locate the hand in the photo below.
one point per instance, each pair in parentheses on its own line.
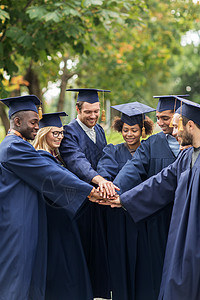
(107,188)
(113,203)
(94,195)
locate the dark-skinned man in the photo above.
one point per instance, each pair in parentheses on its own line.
(26,180)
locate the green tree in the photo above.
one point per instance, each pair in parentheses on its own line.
(32,32)
(130,47)
(186,73)
(138,62)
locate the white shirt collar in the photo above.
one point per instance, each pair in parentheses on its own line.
(89,131)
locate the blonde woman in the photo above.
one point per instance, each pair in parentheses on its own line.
(67,273)
(50,137)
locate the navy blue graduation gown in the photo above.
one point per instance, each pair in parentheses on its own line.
(26,179)
(81,156)
(113,159)
(151,157)
(121,230)
(181,271)
(79,152)
(67,272)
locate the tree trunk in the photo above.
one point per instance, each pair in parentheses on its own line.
(34,84)
(61,100)
(4,117)
(64,79)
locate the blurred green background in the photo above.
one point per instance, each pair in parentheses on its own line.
(135,48)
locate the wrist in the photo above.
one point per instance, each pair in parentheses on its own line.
(97,179)
(122,204)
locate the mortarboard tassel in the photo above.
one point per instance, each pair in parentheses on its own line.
(143,132)
(103,115)
(180,124)
(171,122)
(143,128)
(40,112)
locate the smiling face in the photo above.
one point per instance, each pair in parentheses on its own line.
(54,137)
(27,123)
(89,113)
(164,119)
(131,135)
(175,127)
(183,137)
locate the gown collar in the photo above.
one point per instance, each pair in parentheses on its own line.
(15,132)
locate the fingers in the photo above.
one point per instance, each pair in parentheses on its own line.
(116,188)
(109,203)
(104,203)
(115,205)
(107,189)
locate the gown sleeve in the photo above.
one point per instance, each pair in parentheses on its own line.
(135,170)
(56,183)
(108,166)
(151,195)
(75,158)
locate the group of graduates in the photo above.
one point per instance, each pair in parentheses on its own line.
(80,219)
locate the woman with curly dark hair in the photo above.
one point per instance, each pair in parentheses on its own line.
(125,239)
(133,125)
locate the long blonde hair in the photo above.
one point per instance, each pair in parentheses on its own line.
(40,142)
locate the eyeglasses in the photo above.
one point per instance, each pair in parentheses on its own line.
(57,133)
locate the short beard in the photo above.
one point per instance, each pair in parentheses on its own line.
(187,139)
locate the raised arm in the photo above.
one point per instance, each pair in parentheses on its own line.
(151,195)
(108,167)
(55,183)
(135,170)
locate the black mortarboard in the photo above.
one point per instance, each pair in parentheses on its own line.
(133,113)
(189,109)
(87,95)
(52,119)
(20,103)
(168,102)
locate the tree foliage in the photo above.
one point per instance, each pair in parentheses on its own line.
(131,47)
(37,30)
(32,33)
(140,60)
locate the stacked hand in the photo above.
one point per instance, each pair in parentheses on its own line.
(106,193)
(114,202)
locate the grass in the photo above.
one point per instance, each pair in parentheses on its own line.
(114,138)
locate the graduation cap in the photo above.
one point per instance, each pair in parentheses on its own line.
(188,109)
(20,103)
(87,95)
(52,119)
(90,96)
(168,102)
(133,113)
